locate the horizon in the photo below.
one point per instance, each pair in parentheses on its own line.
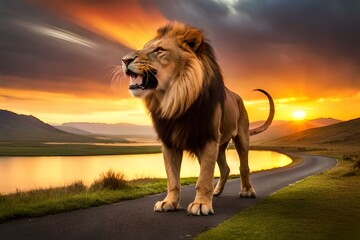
(294,120)
(56,56)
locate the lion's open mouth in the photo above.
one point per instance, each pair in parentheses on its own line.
(146,81)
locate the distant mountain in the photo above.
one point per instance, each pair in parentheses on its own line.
(273,124)
(283,128)
(72,130)
(16,127)
(344,134)
(325,121)
(277,129)
(118,129)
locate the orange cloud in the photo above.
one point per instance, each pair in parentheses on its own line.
(127,22)
(74,86)
(63,107)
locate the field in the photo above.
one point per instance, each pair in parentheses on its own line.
(42,149)
(324,206)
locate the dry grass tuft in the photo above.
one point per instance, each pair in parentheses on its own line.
(110,180)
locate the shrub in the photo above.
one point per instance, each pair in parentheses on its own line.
(110,180)
(356,165)
(76,187)
(354,170)
(352,157)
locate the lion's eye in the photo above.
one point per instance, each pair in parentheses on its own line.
(159,49)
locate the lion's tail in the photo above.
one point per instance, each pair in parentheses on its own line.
(270,117)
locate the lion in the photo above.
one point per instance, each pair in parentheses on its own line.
(177,76)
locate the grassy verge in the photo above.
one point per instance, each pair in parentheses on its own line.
(40,149)
(109,188)
(324,206)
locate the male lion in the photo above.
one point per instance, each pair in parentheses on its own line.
(177,76)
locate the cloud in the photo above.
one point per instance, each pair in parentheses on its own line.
(43,51)
(57,33)
(291,48)
(308,46)
(131,23)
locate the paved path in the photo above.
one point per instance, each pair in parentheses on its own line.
(135,219)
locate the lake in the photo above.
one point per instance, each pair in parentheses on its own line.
(26,173)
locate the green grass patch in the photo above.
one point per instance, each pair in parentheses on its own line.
(42,149)
(324,206)
(109,188)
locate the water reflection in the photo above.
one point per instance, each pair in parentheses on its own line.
(34,172)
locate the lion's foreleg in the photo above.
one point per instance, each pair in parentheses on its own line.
(172,160)
(202,204)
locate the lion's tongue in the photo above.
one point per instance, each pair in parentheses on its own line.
(135,81)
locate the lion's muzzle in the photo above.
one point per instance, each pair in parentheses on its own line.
(142,77)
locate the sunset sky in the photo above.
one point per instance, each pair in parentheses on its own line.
(56,56)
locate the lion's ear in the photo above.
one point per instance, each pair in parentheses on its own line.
(193,38)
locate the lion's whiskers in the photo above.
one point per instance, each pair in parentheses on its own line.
(116,75)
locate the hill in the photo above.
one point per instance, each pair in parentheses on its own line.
(283,128)
(277,129)
(336,135)
(22,128)
(117,129)
(72,130)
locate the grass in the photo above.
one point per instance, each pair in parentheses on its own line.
(41,149)
(109,188)
(324,206)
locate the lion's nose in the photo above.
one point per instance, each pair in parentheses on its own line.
(128,60)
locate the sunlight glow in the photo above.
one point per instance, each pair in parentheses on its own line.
(58,108)
(55,107)
(298,115)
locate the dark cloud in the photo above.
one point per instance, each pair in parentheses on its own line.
(325,27)
(42,47)
(270,41)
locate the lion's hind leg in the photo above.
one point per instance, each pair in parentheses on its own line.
(224,170)
(241,142)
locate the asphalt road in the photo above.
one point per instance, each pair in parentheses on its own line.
(135,219)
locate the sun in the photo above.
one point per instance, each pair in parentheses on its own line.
(298,115)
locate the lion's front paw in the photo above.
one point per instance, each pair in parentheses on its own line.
(166,206)
(200,209)
(248,193)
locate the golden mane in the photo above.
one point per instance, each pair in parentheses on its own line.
(186,88)
(183,91)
